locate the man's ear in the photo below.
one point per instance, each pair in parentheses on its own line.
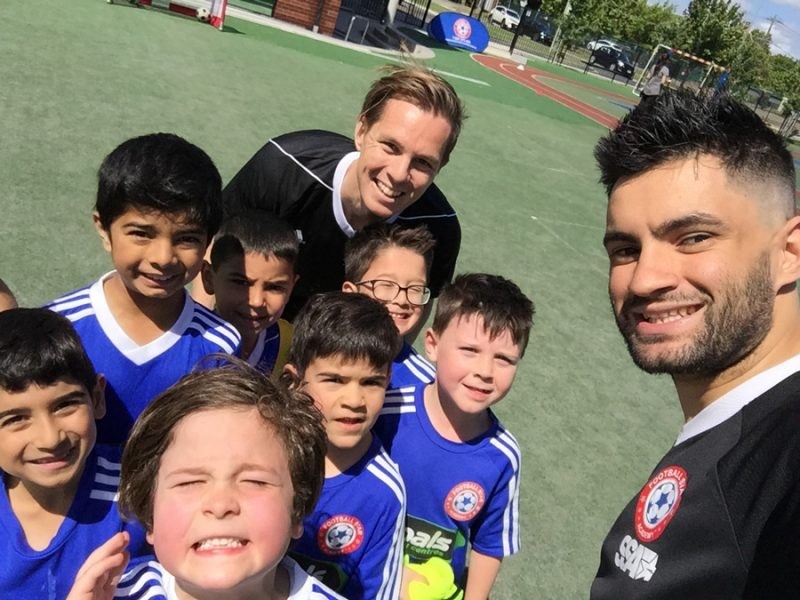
(105,236)
(431,344)
(789,265)
(207,277)
(99,397)
(349,286)
(360,132)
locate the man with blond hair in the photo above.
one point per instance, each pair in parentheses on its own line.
(328,186)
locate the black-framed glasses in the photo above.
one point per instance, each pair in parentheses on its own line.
(386,290)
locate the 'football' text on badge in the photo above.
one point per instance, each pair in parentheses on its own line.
(658,502)
(464,501)
(341,534)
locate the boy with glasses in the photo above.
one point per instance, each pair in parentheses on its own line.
(391,264)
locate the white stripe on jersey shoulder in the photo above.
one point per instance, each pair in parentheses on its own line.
(399,400)
(215,329)
(108,464)
(507,444)
(132,583)
(420,368)
(299,164)
(75,306)
(387,471)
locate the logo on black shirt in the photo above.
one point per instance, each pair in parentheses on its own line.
(658,502)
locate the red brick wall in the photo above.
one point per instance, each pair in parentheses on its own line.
(304,13)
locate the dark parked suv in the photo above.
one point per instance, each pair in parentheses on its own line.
(539,29)
(613,60)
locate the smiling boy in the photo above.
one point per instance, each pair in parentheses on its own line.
(460,465)
(390,263)
(220,509)
(58,489)
(158,204)
(341,354)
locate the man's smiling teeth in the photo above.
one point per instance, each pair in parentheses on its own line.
(213,543)
(672,315)
(387,191)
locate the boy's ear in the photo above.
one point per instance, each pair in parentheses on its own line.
(431,344)
(99,397)
(350,287)
(207,277)
(104,235)
(149,537)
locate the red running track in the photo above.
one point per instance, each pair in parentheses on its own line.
(528,77)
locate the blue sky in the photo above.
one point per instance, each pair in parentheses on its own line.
(785,35)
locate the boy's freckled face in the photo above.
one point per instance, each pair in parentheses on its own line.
(155,254)
(350,395)
(473,371)
(403,267)
(250,291)
(222,508)
(47,432)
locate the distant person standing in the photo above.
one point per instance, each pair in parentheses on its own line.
(722,82)
(659,76)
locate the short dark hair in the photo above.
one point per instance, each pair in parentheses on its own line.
(363,248)
(497,300)
(235,385)
(352,326)
(421,87)
(39,346)
(255,231)
(680,125)
(160,172)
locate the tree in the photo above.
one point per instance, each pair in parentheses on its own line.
(784,78)
(711,28)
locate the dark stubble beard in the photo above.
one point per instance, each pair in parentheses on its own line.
(734,325)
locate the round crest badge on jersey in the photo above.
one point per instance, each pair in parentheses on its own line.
(341,534)
(658,502)
(462,29)
(464,501)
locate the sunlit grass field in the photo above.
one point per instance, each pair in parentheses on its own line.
(79,77)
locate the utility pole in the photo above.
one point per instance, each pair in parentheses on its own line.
(772,20)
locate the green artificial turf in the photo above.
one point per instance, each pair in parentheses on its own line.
(79,77)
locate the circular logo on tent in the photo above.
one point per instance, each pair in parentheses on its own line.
(658,502)
(341,534)
(462,29)
(465,501)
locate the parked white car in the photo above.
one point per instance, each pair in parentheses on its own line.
(505,17)
(595,44)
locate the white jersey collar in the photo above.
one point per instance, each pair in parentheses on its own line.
(338,180)
(729,404)
(133,351)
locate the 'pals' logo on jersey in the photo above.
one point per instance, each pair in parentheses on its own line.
(425,540)
(464,501)
(462,29)
(658,502)
(341,534)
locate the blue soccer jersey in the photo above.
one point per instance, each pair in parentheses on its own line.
(92,519)
(410,370)
(272,348)
(353,541)
(146,579)
(136,374)
(458,493)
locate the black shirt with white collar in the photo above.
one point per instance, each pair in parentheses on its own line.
(719,517)
(298,176)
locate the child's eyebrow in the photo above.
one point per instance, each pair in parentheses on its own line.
(25,409)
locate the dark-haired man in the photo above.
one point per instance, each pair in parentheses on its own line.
(704,251)
(328,186)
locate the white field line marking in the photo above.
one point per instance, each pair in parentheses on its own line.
(591,266)
(448,73)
